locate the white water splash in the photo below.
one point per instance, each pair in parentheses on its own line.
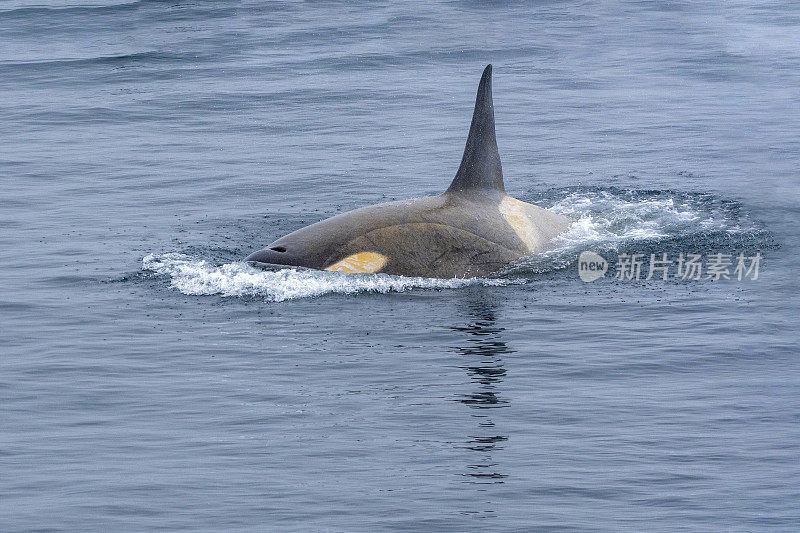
(609,218)
(197,277)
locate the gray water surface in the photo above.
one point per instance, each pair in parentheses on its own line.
(150,380)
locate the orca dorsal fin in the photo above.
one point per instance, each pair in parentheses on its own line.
(480,165)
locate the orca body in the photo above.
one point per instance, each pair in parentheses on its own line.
(472,229)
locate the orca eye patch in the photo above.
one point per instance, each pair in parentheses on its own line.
(360,263)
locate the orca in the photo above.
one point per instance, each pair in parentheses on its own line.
(473,229)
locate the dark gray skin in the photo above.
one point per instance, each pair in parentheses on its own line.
(472,229)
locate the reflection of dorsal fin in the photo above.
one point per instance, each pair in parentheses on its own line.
(480,166)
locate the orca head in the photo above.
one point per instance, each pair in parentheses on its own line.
(304,248)
(274,258)
(322,246)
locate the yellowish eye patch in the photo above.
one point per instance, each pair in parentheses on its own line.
(360,263)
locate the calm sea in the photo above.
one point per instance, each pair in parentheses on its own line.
(150,380)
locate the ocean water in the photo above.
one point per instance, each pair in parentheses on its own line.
(151,380)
